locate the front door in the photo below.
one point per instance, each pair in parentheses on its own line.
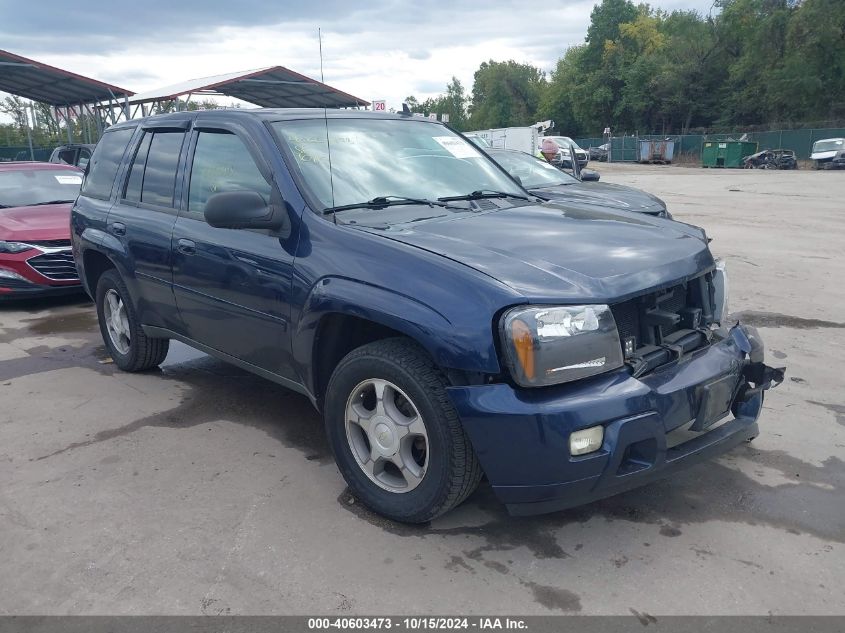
(232,286)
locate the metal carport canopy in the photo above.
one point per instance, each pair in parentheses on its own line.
(36,81)
(272,87)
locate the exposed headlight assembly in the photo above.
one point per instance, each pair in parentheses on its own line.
(14,247)
(548,345)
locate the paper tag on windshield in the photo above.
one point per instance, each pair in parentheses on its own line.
(457,147)
(69,180)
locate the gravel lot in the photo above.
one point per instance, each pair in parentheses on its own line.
(201,489)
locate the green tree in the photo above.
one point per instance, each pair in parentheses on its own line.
(505,94)
(605,19)
(452,103)
(558,102)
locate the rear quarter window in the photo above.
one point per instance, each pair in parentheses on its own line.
(105,162)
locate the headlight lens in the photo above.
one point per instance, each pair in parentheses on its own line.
(720,287)
(13,247)
(547,345)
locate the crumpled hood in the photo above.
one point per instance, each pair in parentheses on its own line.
(606,195)
(43,222)
(554,252)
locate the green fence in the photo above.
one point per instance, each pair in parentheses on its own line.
(799,141)
(21,152)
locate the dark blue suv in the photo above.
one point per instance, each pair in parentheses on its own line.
(447,323)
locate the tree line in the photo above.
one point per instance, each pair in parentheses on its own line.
(747,63)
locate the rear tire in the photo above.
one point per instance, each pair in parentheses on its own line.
(129,347)
(439,469)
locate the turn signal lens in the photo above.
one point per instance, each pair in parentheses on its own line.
(586,440)
(523,343)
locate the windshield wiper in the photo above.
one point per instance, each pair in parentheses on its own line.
(379,202)
(38,204)
(484,193)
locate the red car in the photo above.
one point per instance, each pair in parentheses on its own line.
(35,254)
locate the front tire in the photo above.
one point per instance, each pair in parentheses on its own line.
(129,347)
(395,435)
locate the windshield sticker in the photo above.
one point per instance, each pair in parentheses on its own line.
(456,147)
(69,180)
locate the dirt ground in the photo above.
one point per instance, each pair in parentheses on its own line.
(201,489)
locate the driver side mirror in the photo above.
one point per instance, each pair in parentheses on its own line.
(588,175)
(245,210)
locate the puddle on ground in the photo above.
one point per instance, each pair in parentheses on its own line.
(838,410)
(775,319)
(63,323)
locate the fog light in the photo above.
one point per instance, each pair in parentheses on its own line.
(586,440)
(5,273)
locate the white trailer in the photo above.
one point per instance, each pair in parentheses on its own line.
(525,139)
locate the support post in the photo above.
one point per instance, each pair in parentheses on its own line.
(29,131)
(67,125)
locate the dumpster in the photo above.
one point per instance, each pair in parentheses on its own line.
(726,153)
(623,149)
(656,151)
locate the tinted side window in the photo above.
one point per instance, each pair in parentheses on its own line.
(160,171)
(136,171)
(67,156)
(222,163)
(84,157)
(104,163)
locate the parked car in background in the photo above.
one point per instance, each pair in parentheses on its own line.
(78,155)
(550,183)
(771,159)
(599,152)
(563,158)
(446,321)
(825,150)
(35,253)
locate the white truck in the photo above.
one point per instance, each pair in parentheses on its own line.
(525,139)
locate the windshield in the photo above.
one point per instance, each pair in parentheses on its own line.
(829,145)
(25,187)
(372,158)
(532,172)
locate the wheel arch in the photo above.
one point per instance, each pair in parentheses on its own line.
(94,264)
(340,315)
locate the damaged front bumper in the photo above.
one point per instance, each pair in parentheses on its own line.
(691,409)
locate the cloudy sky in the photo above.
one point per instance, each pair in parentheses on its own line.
(373,49)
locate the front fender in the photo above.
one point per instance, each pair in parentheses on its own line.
(448,344)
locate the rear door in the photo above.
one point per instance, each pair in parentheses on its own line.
(232,286)
(142,220)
